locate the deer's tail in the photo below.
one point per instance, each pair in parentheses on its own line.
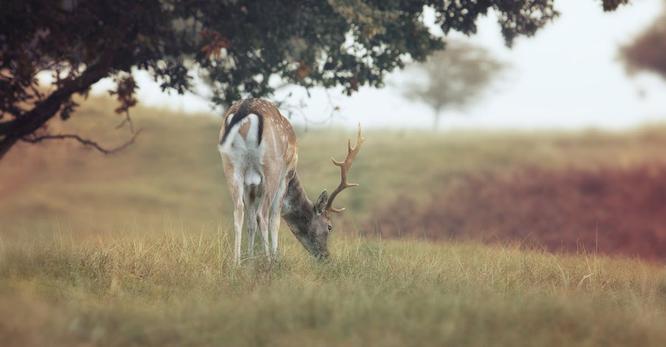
(232,127)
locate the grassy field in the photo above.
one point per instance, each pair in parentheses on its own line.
(134,249)
(175,287)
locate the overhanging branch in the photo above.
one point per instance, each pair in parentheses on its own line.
(30,121)
(83,141)
(5,127)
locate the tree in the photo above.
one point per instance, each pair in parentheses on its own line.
(454,77)
(648,51)
(237,46)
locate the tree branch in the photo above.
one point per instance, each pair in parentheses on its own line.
(83,141)
(14,111)
(5,126)
(32,120)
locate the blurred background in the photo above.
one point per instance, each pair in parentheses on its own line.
(555,143)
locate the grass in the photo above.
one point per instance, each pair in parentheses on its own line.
(134,249)
(176,287)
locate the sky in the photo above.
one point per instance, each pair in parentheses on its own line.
(568,76)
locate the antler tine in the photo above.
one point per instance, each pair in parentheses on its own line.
(345,166)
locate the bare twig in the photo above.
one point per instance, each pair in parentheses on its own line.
(83,141)
(127,120)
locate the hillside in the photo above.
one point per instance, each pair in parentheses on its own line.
(562,191)
(134,248)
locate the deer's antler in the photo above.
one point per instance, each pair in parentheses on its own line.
(344,168)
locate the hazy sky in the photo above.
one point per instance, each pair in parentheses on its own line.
(567,76)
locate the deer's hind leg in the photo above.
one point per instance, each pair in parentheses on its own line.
(252,200)
(236,189)
(251,221)
(274,217)
(239,212)
(273,187)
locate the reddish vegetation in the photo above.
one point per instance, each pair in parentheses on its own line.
(613,211)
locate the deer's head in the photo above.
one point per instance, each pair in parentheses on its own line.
(320,225)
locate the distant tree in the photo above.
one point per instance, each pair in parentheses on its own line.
(238,46)
(648,51)
(453,78)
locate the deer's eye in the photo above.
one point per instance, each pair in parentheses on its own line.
(330,227)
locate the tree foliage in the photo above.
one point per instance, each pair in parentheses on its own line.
(237,46)
(648,51)
(454,77)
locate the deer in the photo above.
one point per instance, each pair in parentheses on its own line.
(259,154)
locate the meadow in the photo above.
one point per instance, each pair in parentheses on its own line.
(134,249)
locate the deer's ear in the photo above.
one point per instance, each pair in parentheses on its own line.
(320,205)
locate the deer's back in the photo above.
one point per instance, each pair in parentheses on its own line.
(264,138)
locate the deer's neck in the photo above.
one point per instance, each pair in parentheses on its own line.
(297,209)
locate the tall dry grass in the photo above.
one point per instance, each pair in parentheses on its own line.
(174,287)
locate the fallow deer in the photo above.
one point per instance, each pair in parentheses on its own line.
(259,154)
